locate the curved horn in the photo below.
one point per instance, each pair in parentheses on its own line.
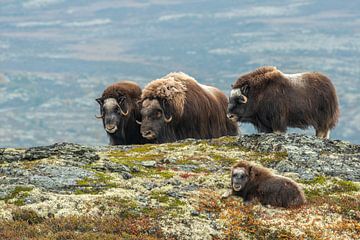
(122,112)
(100,116)
(168,120)
(138,122)
(244,99)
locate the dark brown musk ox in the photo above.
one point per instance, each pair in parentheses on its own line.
(176,107)
(119,111)
(273,101)
(252,182)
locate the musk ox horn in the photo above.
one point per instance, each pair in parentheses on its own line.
(138,122)
(168,120)
(122,112)
(244,99)
(99,117)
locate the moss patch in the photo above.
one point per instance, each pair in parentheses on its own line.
(266,159)
(170,202)
(94,185)
(18,195)
(324,186)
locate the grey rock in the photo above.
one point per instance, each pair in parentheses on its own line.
(148,163)
(126,175)
(308,156)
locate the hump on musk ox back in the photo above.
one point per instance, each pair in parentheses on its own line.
(198,111)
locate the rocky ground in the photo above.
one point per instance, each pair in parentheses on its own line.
(173,191)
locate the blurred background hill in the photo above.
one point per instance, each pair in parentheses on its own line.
(57,56)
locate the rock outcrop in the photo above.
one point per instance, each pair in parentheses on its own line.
(173,191)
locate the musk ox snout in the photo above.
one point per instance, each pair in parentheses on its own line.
(110,128)
(149,134)
(232,117)
(238,179)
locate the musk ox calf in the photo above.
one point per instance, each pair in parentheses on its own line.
(176,107)
(273,101)
(119,112)
(253,182)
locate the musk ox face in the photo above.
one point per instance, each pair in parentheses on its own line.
(113,112)
(238,103)
(154,118)
(239,178)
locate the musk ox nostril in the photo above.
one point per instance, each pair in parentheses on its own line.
(149,135)
(231,116)
(110,128)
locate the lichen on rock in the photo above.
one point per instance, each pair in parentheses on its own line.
(174,190)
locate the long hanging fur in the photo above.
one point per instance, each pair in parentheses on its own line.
(198,111)
(279,100)
(129,130)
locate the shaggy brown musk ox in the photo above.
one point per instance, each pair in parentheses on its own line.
(273,101)
(176,107)
(253,182)
(119,112)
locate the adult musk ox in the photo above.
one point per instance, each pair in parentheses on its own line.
(273,101)
(176,107)
(119,112)
(253,182)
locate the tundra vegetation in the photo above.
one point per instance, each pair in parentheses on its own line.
(173,191)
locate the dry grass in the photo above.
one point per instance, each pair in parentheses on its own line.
(28,225)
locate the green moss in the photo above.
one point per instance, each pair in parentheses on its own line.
(323,186)
(154,172)
(281,155)
(141,149)
(175,146)
(134,156)
(186,161)
(18,195)
(317,180)
(228,161)
(94,185)
(346,186)
(166,174)
(170,202)
(267,158)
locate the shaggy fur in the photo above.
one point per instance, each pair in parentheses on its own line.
(197,111)
(276,101)
(126,94)
(267,188)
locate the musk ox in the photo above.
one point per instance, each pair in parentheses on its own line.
(273,101)
(119,112)
(176,107)
(253,182)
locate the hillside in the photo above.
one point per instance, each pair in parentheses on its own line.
(173,191)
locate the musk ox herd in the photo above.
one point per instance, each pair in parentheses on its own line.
(176,107)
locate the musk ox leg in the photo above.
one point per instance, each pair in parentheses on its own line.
(323,134)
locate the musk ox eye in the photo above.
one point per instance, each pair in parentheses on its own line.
(158,114)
